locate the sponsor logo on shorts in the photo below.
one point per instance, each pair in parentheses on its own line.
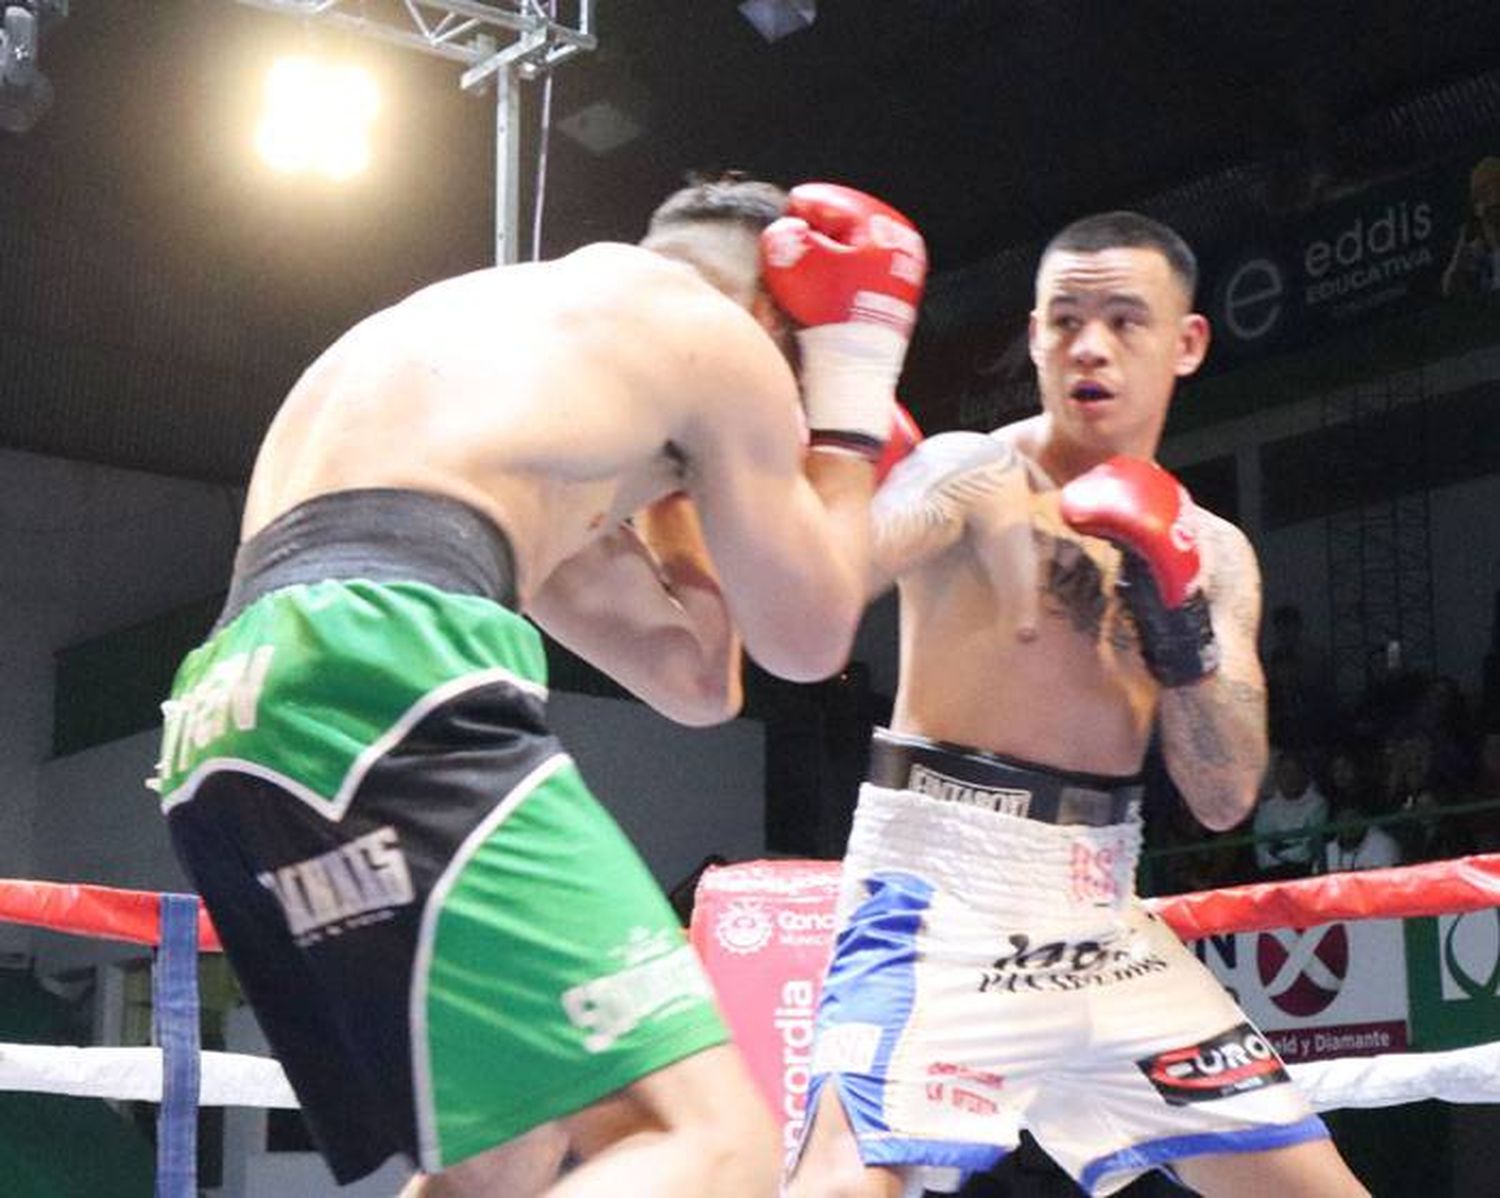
(358,883)
(661,974)
(966,1073)
(1061,966)
(228,698)
(1100,875)
(1233,1062)
(962,1088)
(847,1048)
(1006,800)
(744,927)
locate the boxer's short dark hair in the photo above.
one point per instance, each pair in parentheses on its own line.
(1129,230)
(730,198)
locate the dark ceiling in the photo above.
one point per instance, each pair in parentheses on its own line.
(159,290)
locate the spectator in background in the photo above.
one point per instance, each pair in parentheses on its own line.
(1484,826)
(1412,786)
(1353,798)
(1391,695)
(1442,713)
(1356,844)
(1474,267)
(1293,804)
(1296,709)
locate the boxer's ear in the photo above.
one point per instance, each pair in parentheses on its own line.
(776,323)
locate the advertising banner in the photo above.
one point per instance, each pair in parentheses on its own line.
(1379,252)
(1455,979)
(764,930)
(1336,990)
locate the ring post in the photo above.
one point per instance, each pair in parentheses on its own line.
(174,984)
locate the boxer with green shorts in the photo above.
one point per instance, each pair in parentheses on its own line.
(454,952)
(359,777)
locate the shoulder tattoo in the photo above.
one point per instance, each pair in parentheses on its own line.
(922,507)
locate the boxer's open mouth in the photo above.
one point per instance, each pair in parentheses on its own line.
(1089,392)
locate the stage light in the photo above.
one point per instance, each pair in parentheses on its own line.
(25,93)
(774,19)
(317,118)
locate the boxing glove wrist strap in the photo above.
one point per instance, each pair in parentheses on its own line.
(849,374)
(1177,643)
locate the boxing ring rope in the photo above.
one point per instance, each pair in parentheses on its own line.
(181,1077)
(1400,892)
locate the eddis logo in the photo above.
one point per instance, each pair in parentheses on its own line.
(1254,299)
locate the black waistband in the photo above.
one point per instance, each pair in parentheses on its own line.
(977,779)
(380,535)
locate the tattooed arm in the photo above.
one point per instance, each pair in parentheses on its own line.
(1214,730)
(952,486)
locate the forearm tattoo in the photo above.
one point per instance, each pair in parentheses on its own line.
(1216,728)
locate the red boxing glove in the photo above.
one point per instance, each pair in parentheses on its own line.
(1146,512)
(850,270)
(905,436)
(839,255)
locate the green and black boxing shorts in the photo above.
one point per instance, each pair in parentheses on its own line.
(445,937)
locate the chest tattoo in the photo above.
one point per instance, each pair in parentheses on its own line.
(1074,588)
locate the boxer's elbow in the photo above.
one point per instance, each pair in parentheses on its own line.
(697,690)
(704,705)
(1225,807)
(810,648)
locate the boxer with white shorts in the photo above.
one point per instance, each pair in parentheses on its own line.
(1061,600)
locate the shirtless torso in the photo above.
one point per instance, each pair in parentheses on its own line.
(1013,639)
(558,398)
(561,398)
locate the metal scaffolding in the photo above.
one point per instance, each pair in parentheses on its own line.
(1379,552)
(499,43)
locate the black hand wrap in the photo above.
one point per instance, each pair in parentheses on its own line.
(1177,642)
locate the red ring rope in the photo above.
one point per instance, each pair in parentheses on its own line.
(1434,888)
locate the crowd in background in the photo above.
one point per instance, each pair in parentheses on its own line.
(1407,772)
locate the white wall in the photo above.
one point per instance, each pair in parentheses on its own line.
(83,550)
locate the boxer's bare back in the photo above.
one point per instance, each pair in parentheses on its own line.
(557,398)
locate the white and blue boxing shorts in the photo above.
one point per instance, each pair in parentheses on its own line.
(994,970)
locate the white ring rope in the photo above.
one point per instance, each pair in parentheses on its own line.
(229,1078)
(1462,1075)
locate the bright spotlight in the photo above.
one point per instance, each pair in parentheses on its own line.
(317,118)
(25,93)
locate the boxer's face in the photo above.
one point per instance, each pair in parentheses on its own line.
(1110,336)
